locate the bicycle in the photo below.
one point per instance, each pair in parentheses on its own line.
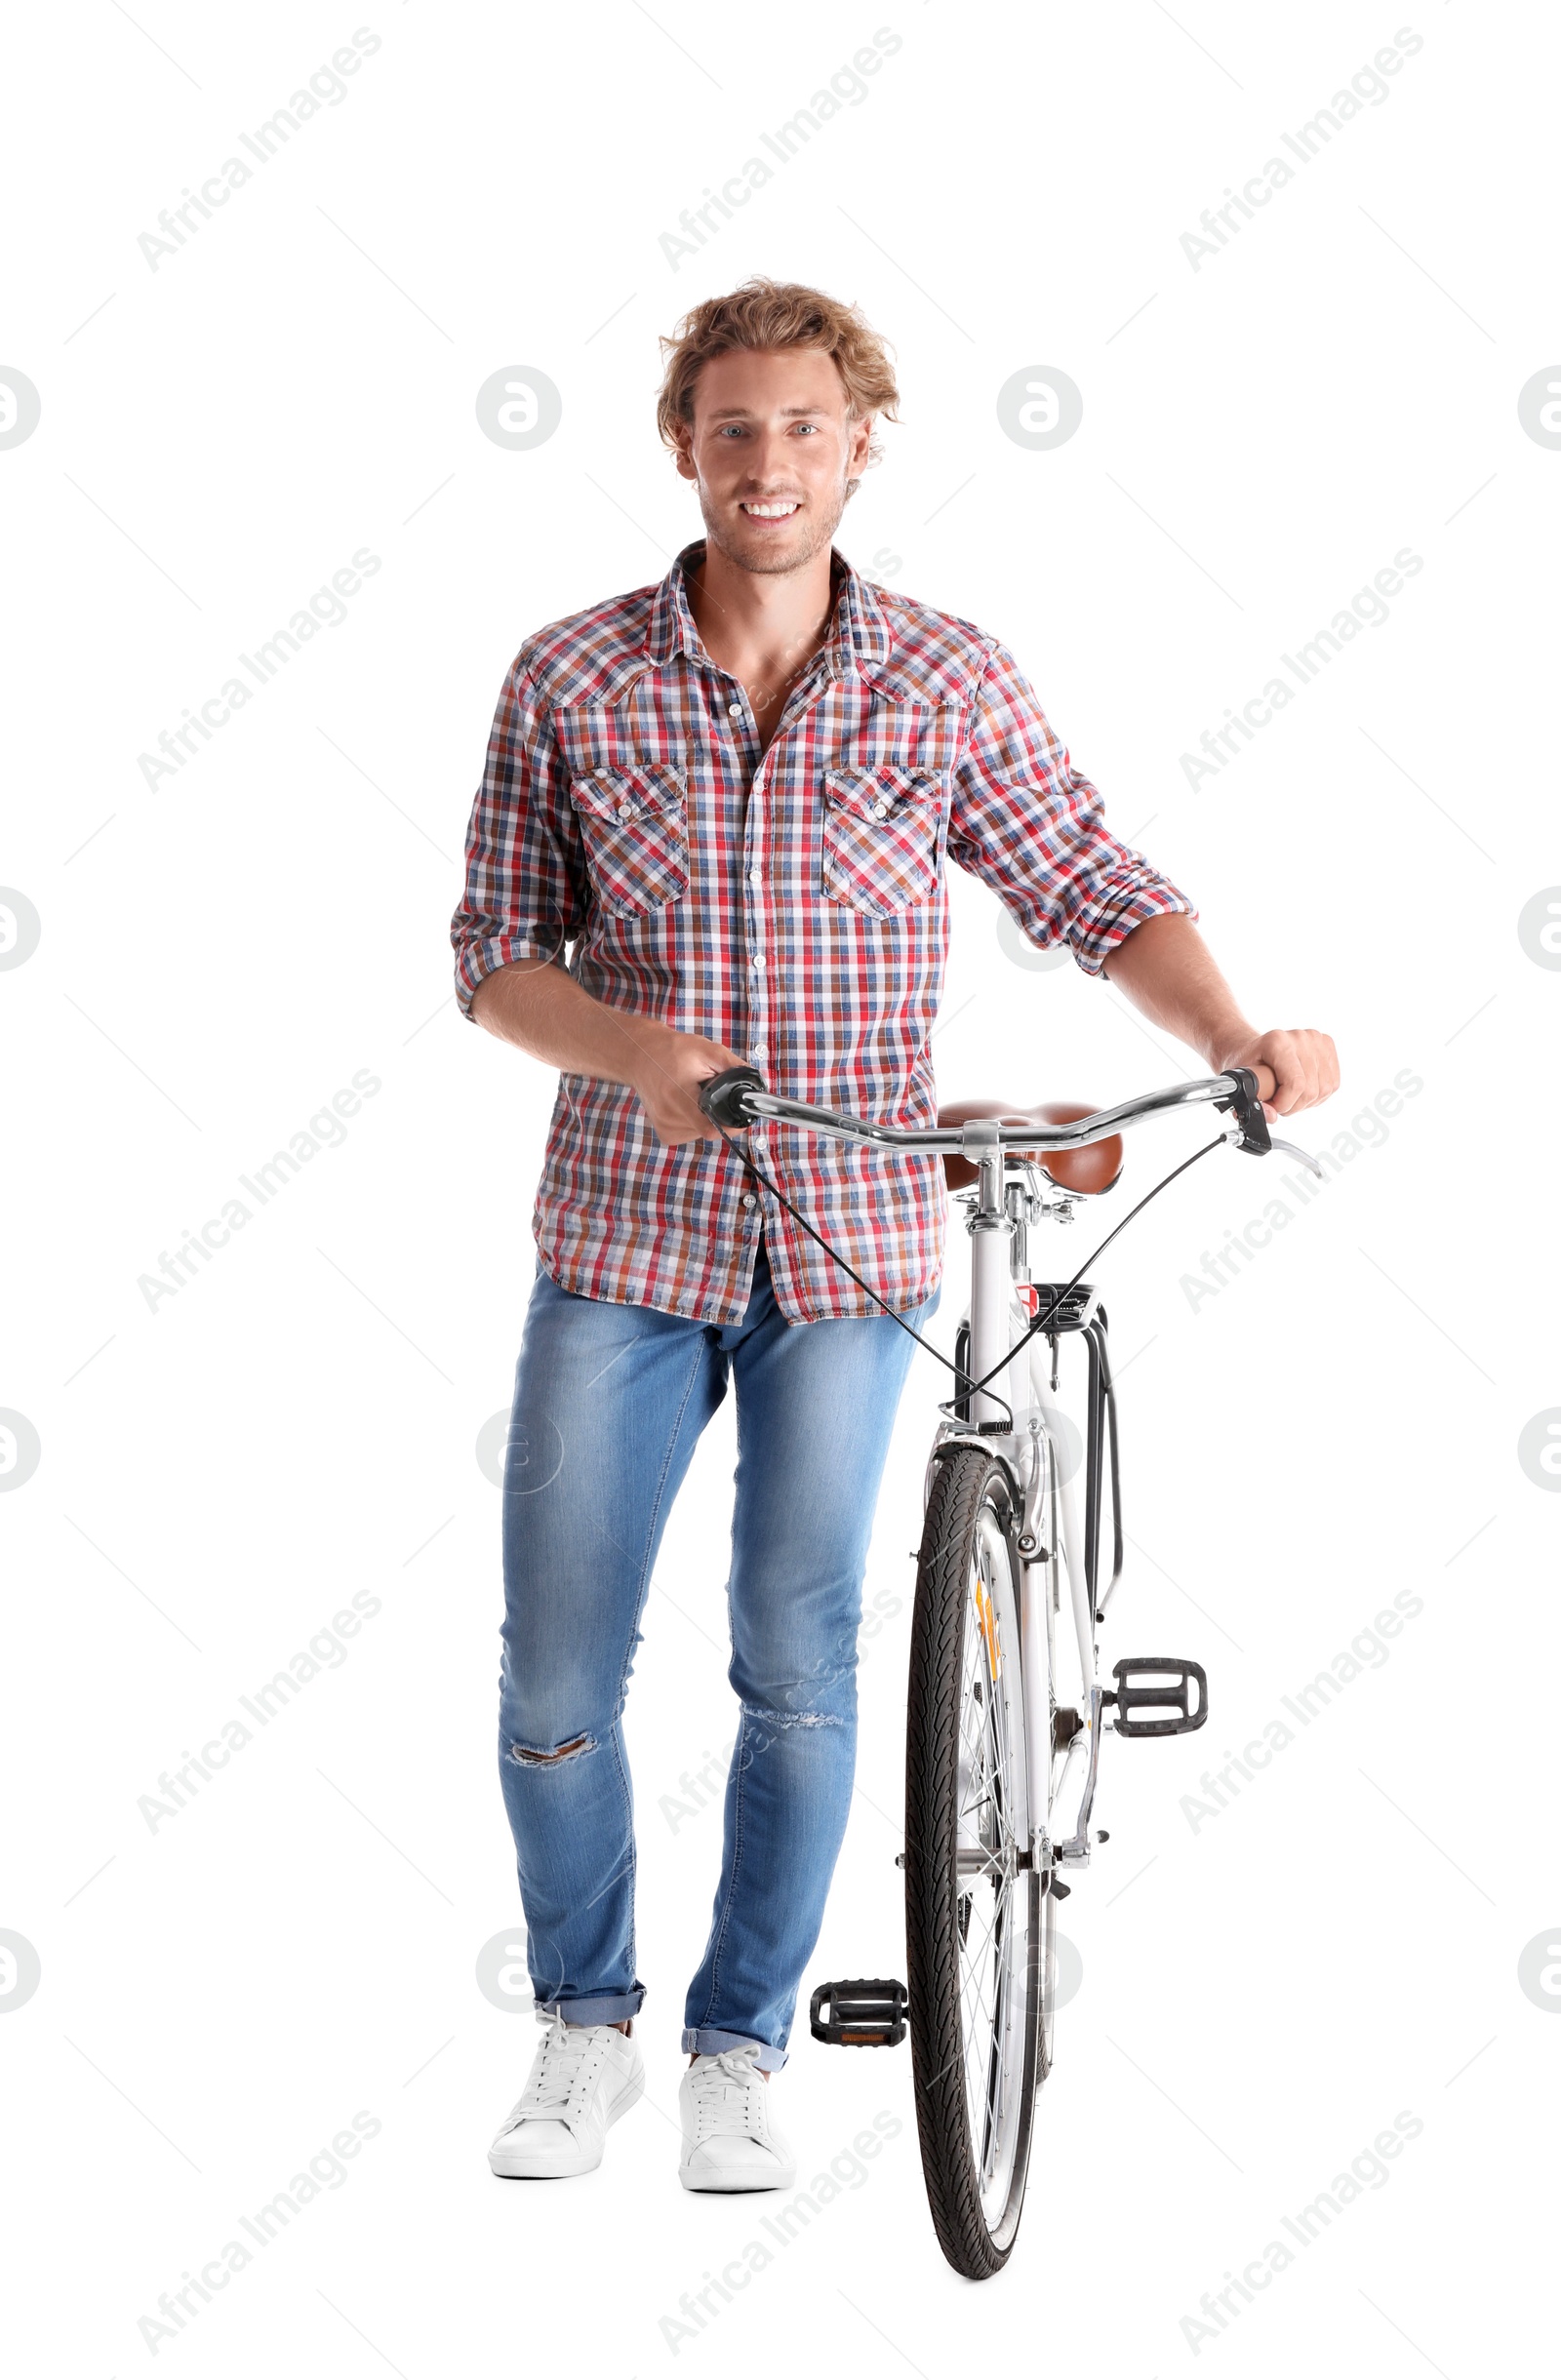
(1001,1757)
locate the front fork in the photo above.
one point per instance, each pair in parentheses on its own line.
(1039,1651)
(1019,1412)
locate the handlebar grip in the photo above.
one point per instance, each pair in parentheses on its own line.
(724,1098)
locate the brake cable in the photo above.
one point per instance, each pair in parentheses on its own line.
(1041,1320)
(967,1386)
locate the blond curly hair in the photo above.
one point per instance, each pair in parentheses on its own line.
(769,314)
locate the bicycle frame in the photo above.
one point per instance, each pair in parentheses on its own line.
(1019,1421)
(1024,1427)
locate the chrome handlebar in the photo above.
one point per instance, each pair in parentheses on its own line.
(737,1097)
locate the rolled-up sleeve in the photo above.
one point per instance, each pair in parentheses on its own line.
(526,884)
(1032,827)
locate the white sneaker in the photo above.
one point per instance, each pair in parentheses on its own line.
(583,2079)
(729,2142)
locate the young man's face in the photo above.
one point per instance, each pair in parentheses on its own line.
(772,450)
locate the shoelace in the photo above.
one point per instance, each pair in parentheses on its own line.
(560,2062)
(711,2083)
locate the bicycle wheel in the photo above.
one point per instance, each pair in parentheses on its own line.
(973,1917)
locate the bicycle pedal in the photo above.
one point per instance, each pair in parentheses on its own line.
(1145,1685)
(863,2015)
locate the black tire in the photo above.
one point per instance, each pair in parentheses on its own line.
(976,2235)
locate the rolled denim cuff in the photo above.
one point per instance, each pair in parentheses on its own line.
(606,2009)
(705,2041)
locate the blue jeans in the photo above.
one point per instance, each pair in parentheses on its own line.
(610,1401)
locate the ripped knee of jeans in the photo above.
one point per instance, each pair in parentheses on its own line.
(766,1715)
(532,1756)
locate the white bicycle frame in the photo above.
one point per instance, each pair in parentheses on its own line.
(1019,1421)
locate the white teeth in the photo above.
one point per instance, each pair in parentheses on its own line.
(769,512)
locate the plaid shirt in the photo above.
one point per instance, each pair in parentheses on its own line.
(790,904)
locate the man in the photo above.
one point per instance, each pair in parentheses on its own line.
(730,796)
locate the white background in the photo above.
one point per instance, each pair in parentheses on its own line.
(1262,1992)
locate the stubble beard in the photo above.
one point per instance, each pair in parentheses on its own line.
(818,533)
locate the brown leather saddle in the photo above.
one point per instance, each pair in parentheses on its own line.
(1090,1170)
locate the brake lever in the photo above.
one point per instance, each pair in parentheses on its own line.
(1252,1134)
(1290,1150)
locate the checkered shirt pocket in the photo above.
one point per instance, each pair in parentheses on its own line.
(881,832)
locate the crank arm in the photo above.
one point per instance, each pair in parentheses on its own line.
(1075,1852)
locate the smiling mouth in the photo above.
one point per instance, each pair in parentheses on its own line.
(776,511)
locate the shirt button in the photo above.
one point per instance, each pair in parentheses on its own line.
(758,958)
(756,877)
(749,1199)
(734,710)
(758,1053)
(880,810)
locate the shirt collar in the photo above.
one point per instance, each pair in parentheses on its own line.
(860,635)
